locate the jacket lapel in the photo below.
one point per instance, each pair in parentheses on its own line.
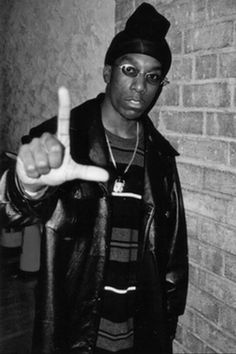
(157,152)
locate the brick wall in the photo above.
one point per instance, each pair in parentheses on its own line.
(197,113)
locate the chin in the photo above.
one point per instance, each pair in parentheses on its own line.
(132,114)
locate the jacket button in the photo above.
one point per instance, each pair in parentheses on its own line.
(167,214)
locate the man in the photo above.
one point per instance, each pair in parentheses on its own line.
(114,265)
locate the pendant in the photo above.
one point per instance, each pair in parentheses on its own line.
(119,185)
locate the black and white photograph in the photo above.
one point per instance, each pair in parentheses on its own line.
(118,177)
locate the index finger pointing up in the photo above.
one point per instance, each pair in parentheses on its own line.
(63,117)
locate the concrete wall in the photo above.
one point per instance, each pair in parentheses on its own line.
(197,113)
(47,44)
(3,11)
(43,44)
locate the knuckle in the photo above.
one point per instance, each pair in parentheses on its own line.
(46,135)
(34,141)
(23,149)
(34,144)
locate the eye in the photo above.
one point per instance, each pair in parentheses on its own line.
(129,70)
(153,78)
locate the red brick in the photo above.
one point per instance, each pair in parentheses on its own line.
(230,268)
(170,95)
(193,276)
(179,334)
(214,336)
(214,36)
(227,65)
(179,14)
(211,126)
(181,69)
(235,96)
(219,287)
(232,157)
(206,66)
(228,319)
(221,124)
(214,95)
(204,149)
(199,11)
(220,8)
(182,122)
(219,235)
(192,343)
(178,348)
(155,116)
(204,304)
(220,181)
(188,319)
(209,350)
(191,176)
(206,205)
(231,220)
(174,38)
(209,257)
(192,225)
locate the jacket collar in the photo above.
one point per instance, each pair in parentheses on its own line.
(89,145)
(157,140)
(99,153)
(157,153)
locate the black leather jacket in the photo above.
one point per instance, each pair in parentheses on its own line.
(76,216)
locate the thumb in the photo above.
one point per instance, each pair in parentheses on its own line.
(86,172)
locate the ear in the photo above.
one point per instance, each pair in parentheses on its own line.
(107,73)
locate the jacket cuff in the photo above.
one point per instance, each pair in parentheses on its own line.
(28,194)
(18,197)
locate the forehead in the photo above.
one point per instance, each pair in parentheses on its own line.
(141,61)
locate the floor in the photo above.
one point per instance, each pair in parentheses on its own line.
(16,304)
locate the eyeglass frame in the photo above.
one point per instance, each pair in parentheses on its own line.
(163,82)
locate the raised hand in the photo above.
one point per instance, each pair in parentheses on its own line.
(46,161)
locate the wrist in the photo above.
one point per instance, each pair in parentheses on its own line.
(31,191)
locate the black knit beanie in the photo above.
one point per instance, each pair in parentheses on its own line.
(144,33)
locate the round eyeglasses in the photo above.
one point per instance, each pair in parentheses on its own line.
(152,77)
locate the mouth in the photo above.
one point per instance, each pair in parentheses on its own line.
(136,102)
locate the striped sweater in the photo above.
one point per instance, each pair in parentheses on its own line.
(115,333)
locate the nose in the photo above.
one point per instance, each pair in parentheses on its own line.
(139,83)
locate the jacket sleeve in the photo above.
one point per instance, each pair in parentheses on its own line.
(16,210)
(177,266)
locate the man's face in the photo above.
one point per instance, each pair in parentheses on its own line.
(132,84)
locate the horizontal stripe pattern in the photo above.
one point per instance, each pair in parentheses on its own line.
(119,291)
(108,338)
(115,333)
(133,195)
(119,251)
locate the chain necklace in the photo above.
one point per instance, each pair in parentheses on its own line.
(119,183)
